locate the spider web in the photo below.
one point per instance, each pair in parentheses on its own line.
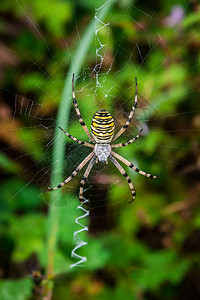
(28,119)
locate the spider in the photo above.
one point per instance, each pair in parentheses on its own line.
(102,129)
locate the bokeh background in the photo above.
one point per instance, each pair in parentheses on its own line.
(146,250)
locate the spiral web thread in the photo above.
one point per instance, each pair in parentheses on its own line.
(79,242)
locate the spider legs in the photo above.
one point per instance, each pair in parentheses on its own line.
(74,173)
(78,112)
(85,176)
(76,140)
(127,143)
(123,172)
(130,165)
(130,115)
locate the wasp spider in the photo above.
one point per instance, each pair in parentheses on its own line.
(102,129)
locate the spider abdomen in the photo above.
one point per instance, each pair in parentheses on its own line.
(102,126)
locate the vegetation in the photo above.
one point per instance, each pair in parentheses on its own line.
(145,250)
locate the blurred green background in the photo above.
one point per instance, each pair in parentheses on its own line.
(146,250)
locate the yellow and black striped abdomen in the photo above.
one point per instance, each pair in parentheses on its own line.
(102,126)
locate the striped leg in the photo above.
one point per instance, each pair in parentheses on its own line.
(82,164)
(127,143)
(85,176)
(123,172)
(130,115)
(78,112)
(129,164)
(76,140)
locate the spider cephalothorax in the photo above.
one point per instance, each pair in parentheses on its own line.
(102,152)
(102,129)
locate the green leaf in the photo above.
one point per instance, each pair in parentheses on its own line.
(16,289)
(8,165)
(32,81)
(158,268)
(17,195)
(28,232)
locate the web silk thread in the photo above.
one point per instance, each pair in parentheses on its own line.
(78,241)
(99,25)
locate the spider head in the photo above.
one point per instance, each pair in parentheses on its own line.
(102,127)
